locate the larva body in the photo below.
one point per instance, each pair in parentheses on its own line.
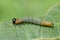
(31,20)
(46,23)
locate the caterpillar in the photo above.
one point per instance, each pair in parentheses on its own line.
(32,21)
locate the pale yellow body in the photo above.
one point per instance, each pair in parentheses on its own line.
(46,23)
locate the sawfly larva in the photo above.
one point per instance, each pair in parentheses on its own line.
(32,21)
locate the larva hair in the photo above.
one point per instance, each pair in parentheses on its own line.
(32,21)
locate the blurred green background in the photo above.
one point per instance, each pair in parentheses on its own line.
(24,8)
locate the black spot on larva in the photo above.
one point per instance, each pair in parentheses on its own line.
(13,20)
(52,23)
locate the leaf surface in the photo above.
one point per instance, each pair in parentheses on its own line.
(29,31)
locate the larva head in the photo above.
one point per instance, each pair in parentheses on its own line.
(16,21)
(13,20)
(46,23)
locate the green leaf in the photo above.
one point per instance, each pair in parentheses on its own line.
(52,15)
(8,31)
